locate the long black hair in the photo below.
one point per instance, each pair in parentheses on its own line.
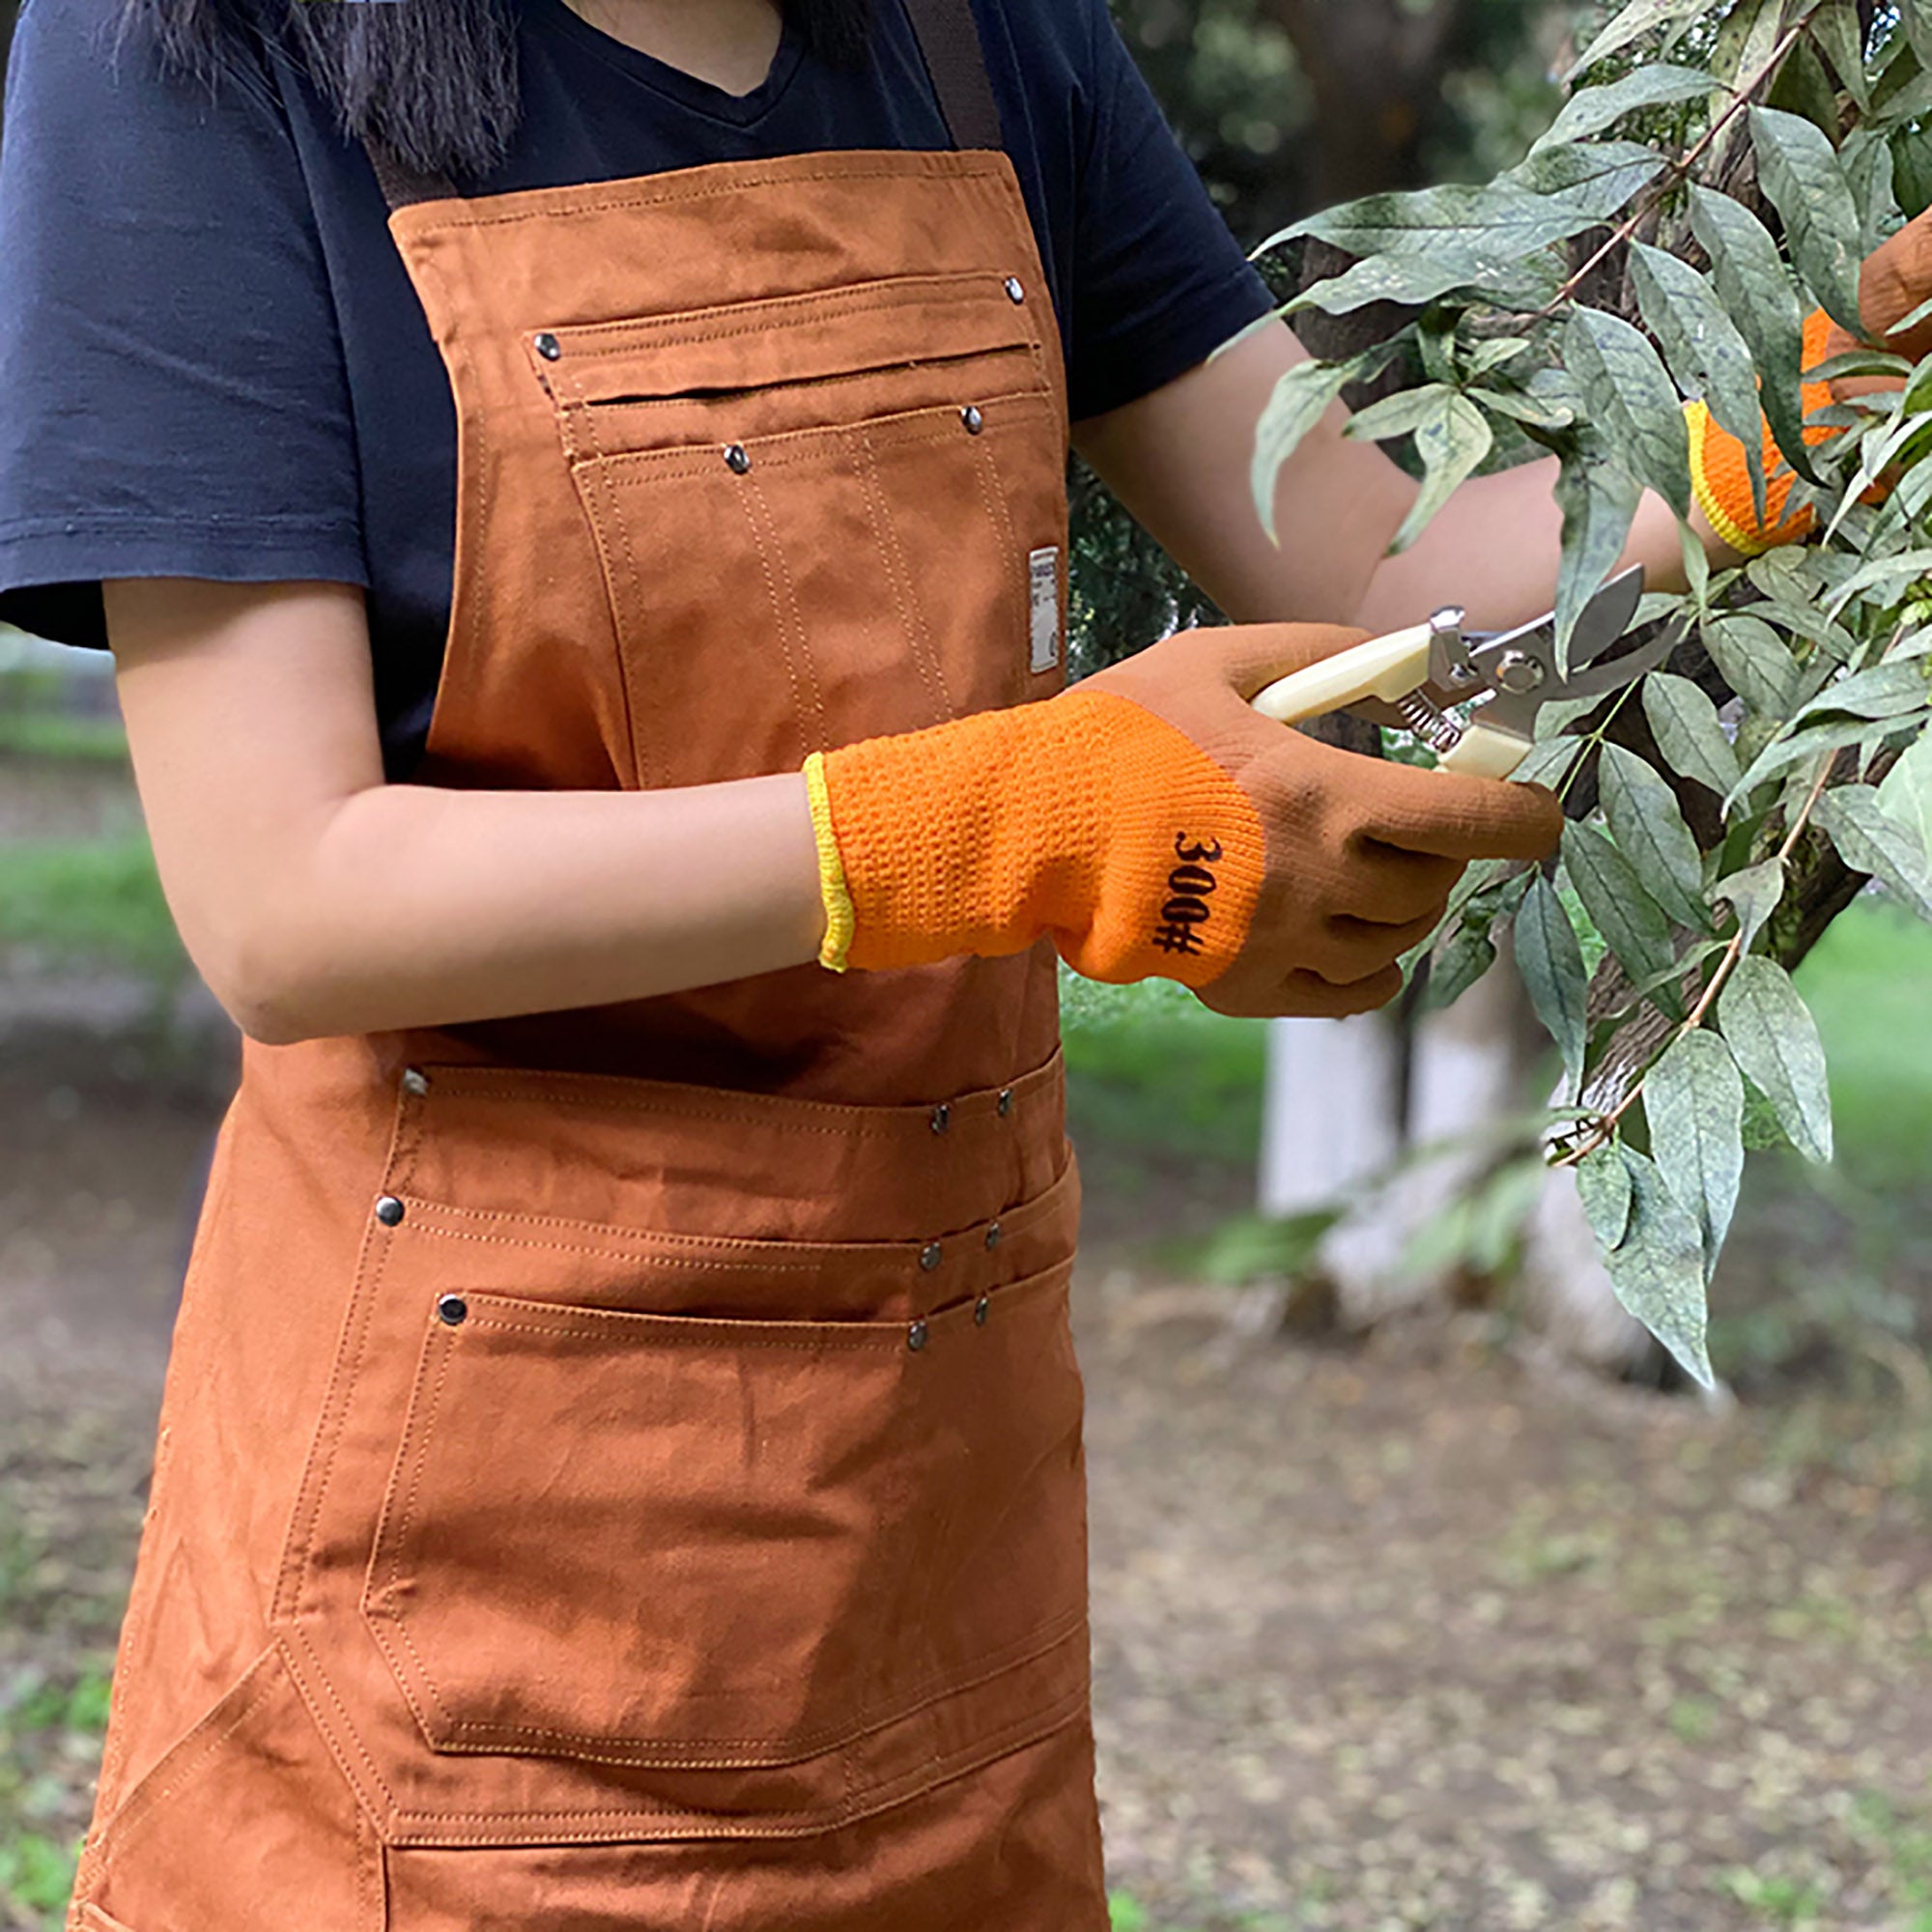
(434,79)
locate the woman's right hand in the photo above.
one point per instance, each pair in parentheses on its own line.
(1155,825)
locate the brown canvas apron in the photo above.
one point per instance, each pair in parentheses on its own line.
(621,1468)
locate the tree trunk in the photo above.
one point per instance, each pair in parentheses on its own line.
(1373,68)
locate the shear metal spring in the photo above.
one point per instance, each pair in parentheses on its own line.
(1435,729)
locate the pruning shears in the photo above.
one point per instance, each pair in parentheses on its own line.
(1505,678)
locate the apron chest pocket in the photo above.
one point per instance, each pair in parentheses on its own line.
(847,508)
(673,1540)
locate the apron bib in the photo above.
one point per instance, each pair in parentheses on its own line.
(621,1467)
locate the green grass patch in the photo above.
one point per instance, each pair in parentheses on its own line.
(54,734)
(97,901)
(1149,1067)
(1869,983)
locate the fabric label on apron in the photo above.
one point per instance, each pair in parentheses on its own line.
(1043,570)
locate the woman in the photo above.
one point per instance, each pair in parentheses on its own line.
(591,649)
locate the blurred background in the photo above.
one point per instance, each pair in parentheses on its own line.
(1408,1612)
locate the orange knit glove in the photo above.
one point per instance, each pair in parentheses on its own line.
(1896,282)
(1157,826)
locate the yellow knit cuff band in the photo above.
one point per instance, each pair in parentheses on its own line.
(1714,502)
(839,920)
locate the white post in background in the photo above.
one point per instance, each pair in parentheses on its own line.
(1332,1117)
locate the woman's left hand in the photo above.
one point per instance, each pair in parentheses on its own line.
(1896,283)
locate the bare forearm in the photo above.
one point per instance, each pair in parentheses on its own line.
(414,906)
(1181,461)
(317,899)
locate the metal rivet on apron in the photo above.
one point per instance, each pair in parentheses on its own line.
(388,1210)
(739,457)
(916,1337)
(1005,1101)
(981,1308)
(452,1310)
(1014,292)
(942,1117)
(930,1255)
(995,1233)
(975,422)
(414,1080)
(549,347)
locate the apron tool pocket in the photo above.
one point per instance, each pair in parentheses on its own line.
(671,1541)
(847,505)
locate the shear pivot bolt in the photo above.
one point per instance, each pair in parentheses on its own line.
(738,458)
(452,1311)
(1519,673)
(388,1210)
(549,347)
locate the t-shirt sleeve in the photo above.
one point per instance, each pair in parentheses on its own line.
(1159,282)
(172,394)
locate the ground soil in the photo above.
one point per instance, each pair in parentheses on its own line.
(1418,1633)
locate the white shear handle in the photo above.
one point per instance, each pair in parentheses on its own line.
(1389,668)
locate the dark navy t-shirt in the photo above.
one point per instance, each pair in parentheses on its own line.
(213,364)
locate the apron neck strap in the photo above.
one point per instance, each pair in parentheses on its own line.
(949,38)
(949,41)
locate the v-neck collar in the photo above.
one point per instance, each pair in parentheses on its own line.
(701,97)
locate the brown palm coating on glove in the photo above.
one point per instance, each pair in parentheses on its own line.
(1361,854)
(1896,282)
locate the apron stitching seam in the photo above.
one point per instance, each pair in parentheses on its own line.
(834,304)
(986,472)
(931,1690)
(799,664)
(772,176)
(147,1795)
(294,1635)
(911,615)
(644,766)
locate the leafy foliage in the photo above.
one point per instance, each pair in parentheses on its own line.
(1721,167)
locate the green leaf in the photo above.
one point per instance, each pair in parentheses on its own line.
(1685,724)
(1756,662)
(1604,1183)
(1400,414)
(1550,960)
(1459,961)
(1808,743)
(1639,19)
(1757,290)
(1883,573)
(1755,892)
(1906,795)
(1649,833)
(1301,400)
(1703,349)
(1452,442)
(1592,109)
(1775,1041)
(1599,501)
(1869,839)
(1658,1269)
(1800,172)
(1695,1101)
(1594,179)
(1538,412)
(1633,402)
(1841,35)
(1633,924)
(1894,689)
